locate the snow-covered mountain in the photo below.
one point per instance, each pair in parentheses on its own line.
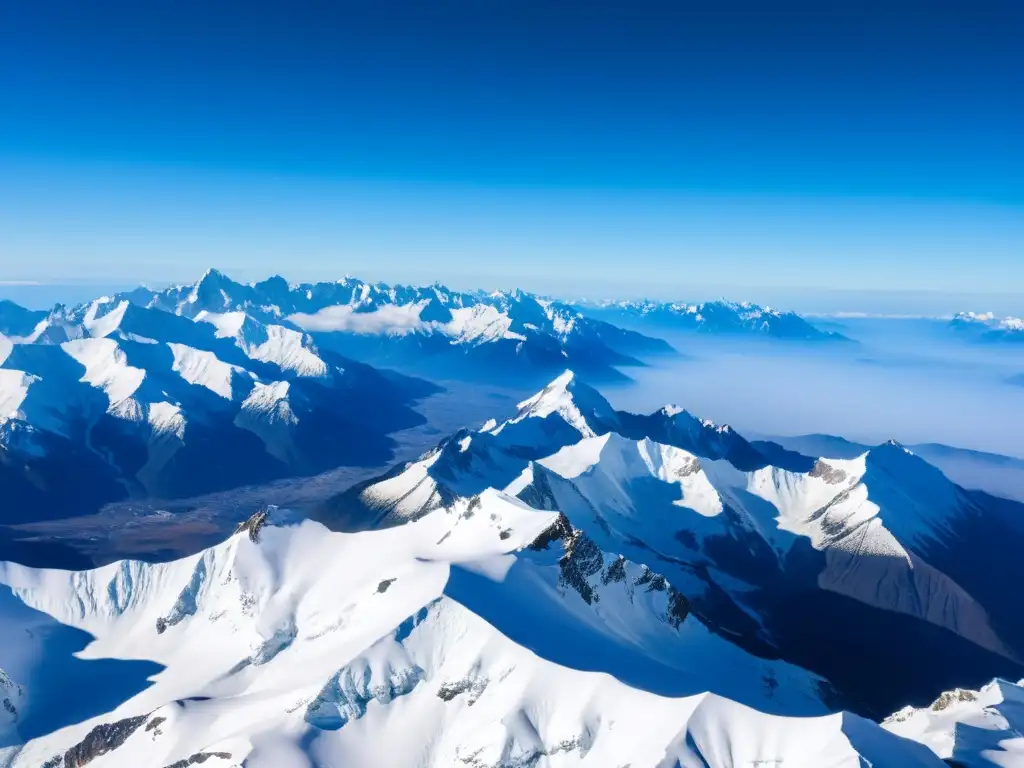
(992,473)
(431,330)
(988,327)
(969,729)
(487,633)
(871,571)
(112,399)
(713,317)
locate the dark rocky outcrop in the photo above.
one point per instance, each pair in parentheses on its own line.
(829,474)
(199,758)
(582,559)
(560,530)
(101,740)
(254,525)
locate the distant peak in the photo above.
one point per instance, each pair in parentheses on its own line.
(214,278)
(273,280)
(212,274)
(892,445)
(894,455)
(563,380)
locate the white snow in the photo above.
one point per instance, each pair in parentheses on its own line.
(203,368)
(106,367)
(285,347)
(99,327)
(556,398)
(6,347)
(14,387)
(480,324)
(368,649)
(167,418)
(976,729)
(267,413)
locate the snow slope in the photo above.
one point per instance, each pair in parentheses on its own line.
(879,543)
(970,729)
(458,639)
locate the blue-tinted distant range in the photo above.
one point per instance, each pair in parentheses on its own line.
(215,384)
(579,385)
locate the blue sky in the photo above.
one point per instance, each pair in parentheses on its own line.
(739,148)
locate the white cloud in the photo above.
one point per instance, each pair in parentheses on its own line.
(389,318)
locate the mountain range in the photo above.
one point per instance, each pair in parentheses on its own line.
(992,473)
(968,728)
(988,327)
(428,329)
(571,586)
(759,538)
(217,384)
(712,317)
(114,399)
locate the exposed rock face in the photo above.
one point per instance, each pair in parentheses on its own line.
(949,697)
(254,524)
(474,686)
(560,530)
(582,559)
(830,475)
(199,758)
(101,740)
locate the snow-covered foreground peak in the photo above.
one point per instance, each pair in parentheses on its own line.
(487,634)
(972,729)
(760,540)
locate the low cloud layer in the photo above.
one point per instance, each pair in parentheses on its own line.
(389,319)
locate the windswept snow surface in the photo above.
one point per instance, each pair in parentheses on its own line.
(881,545)
(445,641)
(971,729)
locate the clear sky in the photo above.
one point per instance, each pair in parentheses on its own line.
(667,149)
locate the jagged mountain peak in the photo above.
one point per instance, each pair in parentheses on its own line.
(447,639)
(580,405)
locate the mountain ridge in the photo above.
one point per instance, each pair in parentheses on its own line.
(834,529)
(714,317)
